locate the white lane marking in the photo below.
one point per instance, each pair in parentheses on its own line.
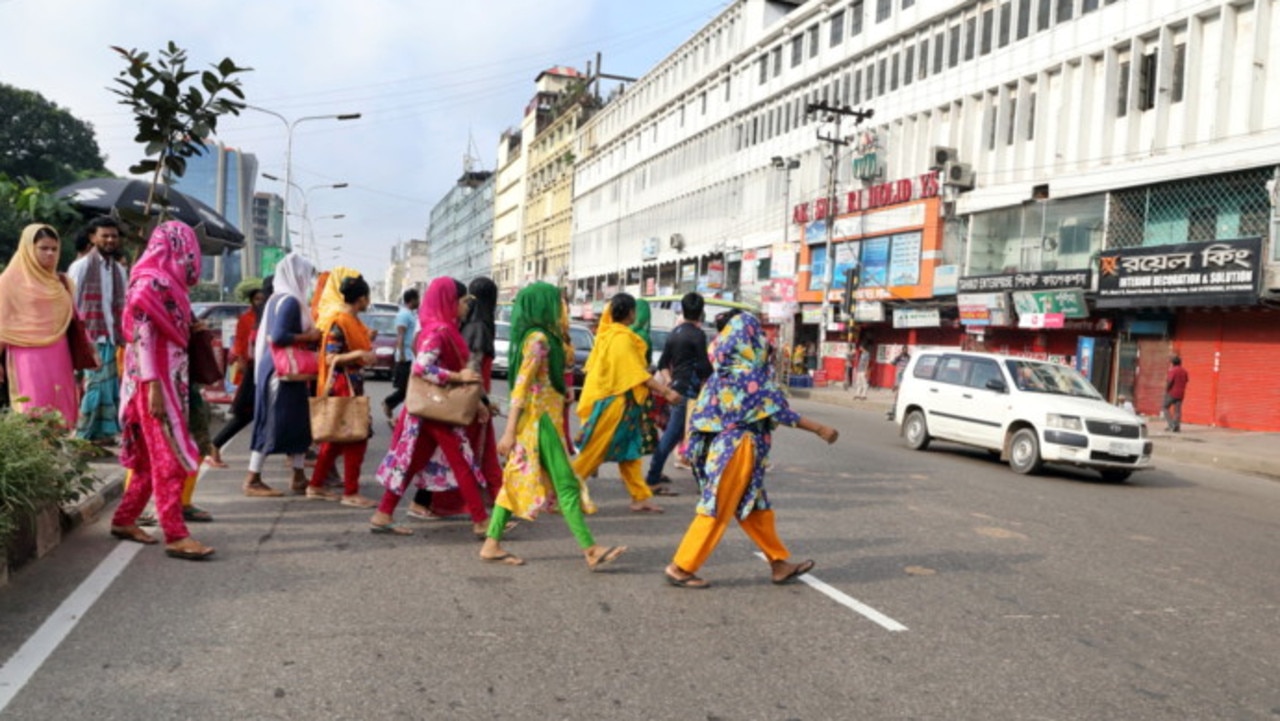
(848,601)
(19,669)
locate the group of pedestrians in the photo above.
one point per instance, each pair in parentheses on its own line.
(140,394)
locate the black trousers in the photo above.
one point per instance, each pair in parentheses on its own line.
(399,384)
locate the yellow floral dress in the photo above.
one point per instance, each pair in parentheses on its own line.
(527,489)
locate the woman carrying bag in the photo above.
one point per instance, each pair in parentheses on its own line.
(346,349)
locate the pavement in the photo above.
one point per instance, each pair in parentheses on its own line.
(1241,451)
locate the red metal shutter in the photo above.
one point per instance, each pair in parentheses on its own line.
(1196,340)
(1153,367)
(1248,382)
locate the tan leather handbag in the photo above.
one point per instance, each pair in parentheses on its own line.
(339,419)
(455,404)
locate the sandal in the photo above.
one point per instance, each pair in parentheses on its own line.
(188,550)
(664,489)
(196,514)
(318,493)
(505,559)
(358,501)
(609,556)
(133,533)
(258,489)
(691,581)
(390,529)
(800,569)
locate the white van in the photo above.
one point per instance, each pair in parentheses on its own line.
(1030,412)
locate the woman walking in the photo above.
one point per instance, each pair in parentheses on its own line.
(442,357)
(281,413)
(615,424)
(731,433)
(345,350)
(156,442)
(479,330)
(242,360)
(538,467)
(36,307)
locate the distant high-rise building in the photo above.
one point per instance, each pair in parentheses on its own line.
(268,230)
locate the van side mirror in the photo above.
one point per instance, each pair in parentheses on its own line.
(995,384)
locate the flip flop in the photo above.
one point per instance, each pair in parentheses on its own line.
(193,554)
(215,464)
(390,529)
(649,509)
(801,568)
(196,514)
(422,515)
(609,556)
(505,559)
(692,583)
(664,490)
(135,534)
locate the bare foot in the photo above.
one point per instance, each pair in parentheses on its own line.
(492,552)
(358,501)
(646,507)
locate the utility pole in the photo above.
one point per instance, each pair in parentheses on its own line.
(832,114)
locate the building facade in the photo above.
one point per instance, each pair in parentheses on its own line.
(408,269)
(268,231)
(460,236)
(1091,181)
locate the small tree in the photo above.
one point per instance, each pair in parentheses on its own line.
(174,117)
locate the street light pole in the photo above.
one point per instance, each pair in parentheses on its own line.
(786,165)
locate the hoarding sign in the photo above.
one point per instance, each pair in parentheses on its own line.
(1069,303)
(916,318)
(1223,272)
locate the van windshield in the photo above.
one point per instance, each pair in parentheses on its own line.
(1037,377)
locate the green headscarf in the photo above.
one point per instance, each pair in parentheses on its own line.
(644,316)
(537,307)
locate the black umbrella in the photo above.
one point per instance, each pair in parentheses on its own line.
(127,199)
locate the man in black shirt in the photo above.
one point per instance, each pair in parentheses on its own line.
(685,358)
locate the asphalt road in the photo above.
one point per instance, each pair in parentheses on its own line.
(1051,597)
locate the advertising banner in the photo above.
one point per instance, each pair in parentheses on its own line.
(1222,272)
(1068,303)
(985,309)
(916,318)
(1039,280)
(868,311)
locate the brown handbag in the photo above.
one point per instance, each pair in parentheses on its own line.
(455,404)
(84,356)
(339,419)
(203,365)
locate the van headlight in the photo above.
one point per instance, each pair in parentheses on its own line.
(1070,423)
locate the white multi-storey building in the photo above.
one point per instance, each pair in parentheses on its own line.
(1017,147)
(460,236)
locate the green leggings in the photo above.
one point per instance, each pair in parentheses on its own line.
(555,463)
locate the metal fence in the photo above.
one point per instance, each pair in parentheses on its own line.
(1207,208)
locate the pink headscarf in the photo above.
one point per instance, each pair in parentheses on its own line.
(438,316)
(159,282)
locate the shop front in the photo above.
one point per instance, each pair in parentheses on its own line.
(1198,301)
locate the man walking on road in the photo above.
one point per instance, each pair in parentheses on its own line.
(406,340)
(861,368)
(685,357)
(1175,389)
(100,285)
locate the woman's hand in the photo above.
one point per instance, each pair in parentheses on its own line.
(828,434)
(466,375)
(672,396)
(366,357)
(309,336)
(155,400)
(508,441)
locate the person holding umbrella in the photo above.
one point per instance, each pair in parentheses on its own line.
(100,281)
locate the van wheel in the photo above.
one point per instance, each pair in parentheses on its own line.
(916,430)
(1024,452)
(1113,475)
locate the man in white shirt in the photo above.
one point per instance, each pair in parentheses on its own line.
(100,284)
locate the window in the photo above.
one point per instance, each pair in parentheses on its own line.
(777,61)
(992,112)
(1024,18)
(797,50)
(970,38)
(953,47)
(1006,20)
(924,58)
(982,371)
(938,58)
(1011,119)
(1202,225)
(951,370)
(907,3)
(1088,6)
(1122,97)
(871,80)
(988,27)
(909,66)
(1031,116)
(837,28)
(925,367)
(857,88)
(883,9)
(1255,216)
(856,12)
(764,71)
(1179,72)
(728,90)
(880,76)
(1064,10)
(893,73)
(1043,14)
(813,40)
(1147,81)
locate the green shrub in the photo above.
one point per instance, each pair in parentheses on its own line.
(40,463)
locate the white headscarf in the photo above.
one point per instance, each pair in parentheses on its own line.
(294,277)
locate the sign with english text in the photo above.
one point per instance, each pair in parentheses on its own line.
(1220,272)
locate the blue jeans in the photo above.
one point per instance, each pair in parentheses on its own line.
(671,437)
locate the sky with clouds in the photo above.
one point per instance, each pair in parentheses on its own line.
(427,75)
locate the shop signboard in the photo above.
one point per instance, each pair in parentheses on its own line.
(715,275)
(1041,320)
(1068,303)
(945,278)
(1222,272)
(875,263)
(868,311)
(983,309)
(810,314)
(904,263)
(783,262)
(649,248)
(916,318)
(1037,280)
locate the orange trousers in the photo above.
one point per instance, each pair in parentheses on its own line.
(591,455)
(705,532)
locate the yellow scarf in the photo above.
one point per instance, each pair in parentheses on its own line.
(616,365)
(331,302)
(35,306)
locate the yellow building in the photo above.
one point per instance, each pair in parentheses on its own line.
(548,208)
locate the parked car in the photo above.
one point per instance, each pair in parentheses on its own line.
(501,348)
(583,340)
(1029,412)
(384,343)
(391,308)
(213,314)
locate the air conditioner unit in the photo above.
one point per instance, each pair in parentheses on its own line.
(677,242)
(960,175)
(942,157)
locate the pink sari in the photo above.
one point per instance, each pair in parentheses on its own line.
(44,377)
